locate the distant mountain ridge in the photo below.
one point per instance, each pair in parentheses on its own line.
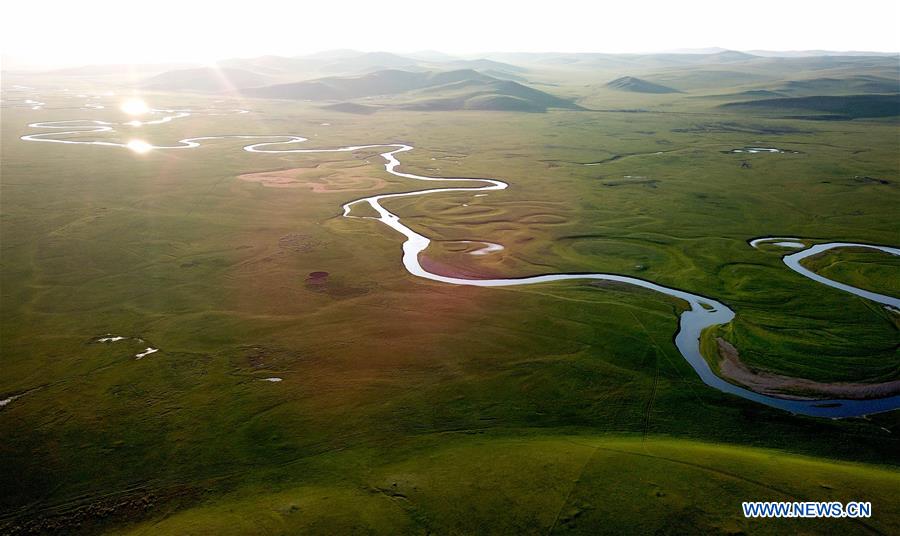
(331,60)
(272,69)
(442,90)
(206,79)
(364,82)
(813,53)
(384,82)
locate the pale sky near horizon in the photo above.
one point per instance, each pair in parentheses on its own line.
(58,33)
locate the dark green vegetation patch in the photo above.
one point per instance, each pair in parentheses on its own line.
(630,83)
(835,107)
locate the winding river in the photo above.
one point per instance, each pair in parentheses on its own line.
(793,262)
(703,312)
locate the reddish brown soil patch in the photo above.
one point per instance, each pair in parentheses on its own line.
(317,281)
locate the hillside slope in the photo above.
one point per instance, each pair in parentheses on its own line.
(447,90)
(385,82)
(212,80)
(835,107)
(833,85)
(637,85)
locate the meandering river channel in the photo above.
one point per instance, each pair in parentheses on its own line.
(702,313)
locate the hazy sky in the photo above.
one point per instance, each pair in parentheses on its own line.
(101,31)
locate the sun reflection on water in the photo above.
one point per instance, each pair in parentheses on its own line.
(139,146)
(134,107)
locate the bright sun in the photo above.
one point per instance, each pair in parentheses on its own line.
(139,146)
(134,107)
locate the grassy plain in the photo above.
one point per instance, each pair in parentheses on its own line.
(408,405)
(861,268)
(582,485)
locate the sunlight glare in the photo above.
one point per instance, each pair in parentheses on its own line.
(134,107)
(139,146)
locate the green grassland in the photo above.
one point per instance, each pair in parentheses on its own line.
(573,484)
(859,268)
(412,406)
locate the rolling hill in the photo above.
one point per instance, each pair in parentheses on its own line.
(749,94)
(385,82)
(447,90)
(369,61)
(602,61)
(350,62)
(637,85)
(484,65)
(852,84)
(208,79)
(833,107)
(487,93)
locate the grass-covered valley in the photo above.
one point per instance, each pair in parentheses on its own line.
(304,381)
